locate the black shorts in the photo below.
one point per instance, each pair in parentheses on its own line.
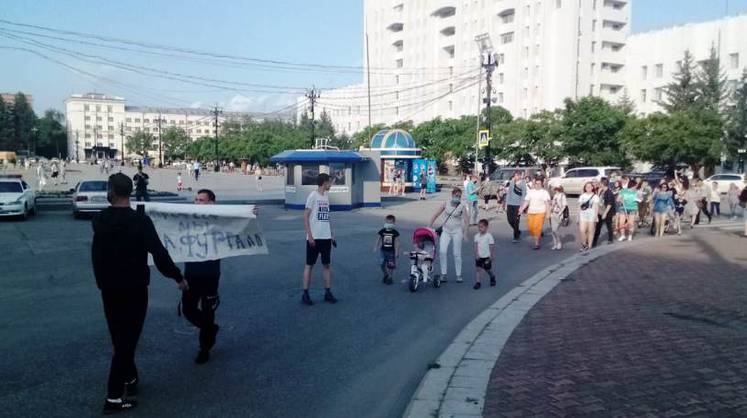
(484,263)
(321,246)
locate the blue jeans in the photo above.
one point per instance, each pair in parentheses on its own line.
(473,212)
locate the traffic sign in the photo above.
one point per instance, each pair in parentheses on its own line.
(483,138)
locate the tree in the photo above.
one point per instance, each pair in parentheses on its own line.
(682,93)
(140,142)
(324,127)
(591,129)
(23,120)
(711,83)
(736,124)
(175,141)
(363,137)
(51,136)
(680,137)
(531,141)
(626,104)
(6,127)
(498,116)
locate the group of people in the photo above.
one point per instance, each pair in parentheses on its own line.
(396,179)
(55,171)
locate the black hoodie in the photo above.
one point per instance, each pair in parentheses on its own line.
(122,239)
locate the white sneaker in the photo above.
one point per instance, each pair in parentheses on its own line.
(622,238)
(630,238)
(459,279)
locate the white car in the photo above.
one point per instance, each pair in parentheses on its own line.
(89,196)
(16,197)
(574,179)
(724,181)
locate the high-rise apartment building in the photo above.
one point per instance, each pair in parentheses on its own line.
(98,125)
(425,62)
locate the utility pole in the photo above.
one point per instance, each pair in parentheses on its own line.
(489,63)
(77,158)
(121,142)
(313,95)
(368,71)
(479,108)
(160,148)
(216,111)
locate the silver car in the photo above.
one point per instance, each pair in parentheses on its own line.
(89,196)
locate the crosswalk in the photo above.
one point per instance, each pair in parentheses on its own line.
(726,225)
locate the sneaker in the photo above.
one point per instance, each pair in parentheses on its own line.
(385,278)
(329,297)
(389,280)
(622,238)
(515,241)
(306,299)
(131,387)
(492,282)
(630,238)
(477,285)
(444,278)
(202,357)
(116,407)
(459,279)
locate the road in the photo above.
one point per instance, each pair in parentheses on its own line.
(363,357)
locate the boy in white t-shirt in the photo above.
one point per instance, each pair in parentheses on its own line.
(484,247)
(319,238)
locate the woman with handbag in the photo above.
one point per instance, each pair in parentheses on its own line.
(451,230)
(537,205)
(587,216)
(558,209)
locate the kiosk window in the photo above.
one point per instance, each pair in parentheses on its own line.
(337,173)
(290,178)
(309,173)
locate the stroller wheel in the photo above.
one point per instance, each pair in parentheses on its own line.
(436,281)
(413,284)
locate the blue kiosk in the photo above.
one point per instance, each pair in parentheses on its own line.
(400,154)
(355,177)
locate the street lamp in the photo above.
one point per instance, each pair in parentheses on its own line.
(489,62)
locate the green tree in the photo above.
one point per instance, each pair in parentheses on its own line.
(711,83)
(736,124)
(626,104)
(682,93)
(680,137)
(591,129)
(51,136)
(140,142)
(23,120)
(324,127)
(363,137)
(498,116)
(6,128)
(532,141)
(175,141)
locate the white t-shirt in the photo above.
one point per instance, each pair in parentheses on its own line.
(318,204)
(590,214)
(484,241)
(538,200)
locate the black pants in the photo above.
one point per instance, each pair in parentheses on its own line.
(703,206)
(716,208)
(598,229)
(142,195)
(125,314)
(202,292)
(512,214)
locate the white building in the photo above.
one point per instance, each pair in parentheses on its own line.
(653,57)
(98,125)
(424,61)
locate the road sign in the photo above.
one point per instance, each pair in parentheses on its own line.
(742,151)
(483,138)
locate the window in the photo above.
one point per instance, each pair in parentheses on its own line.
(644,72)
(734,61)
(396,79)
(657,93)
(110,119)
(111,136)
(98,108)
(290,177)
(592,68)
(659,70)
(98,118)
(595,5)
(507,38)
(571,174)
(88,126)
(137,120)
(110,128)
(526,52)
(558,4)
(591,90)
(451,105)
(594,25)
(309,173)
(128,120)
(501,59)
(593,46)
(86,107)
(528,10)
(337,173)
(88,118)
(400,63)
(500,78)
(500,97)
(508,17)
(146,120)
(643,96)
(108,108)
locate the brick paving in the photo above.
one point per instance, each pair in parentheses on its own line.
(655,330)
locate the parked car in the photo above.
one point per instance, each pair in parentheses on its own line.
(89,196)
(574,179)
(724,181)
(500,178)
(16,197)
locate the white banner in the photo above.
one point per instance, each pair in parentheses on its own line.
(206,232)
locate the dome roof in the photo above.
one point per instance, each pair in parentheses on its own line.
(392,139)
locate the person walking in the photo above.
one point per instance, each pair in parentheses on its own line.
(644,201)
(714,198)
(472,200)
(537,205)
(629,198)
(387,245)
(517,190)
(319,238)
(63,169)
(484,251)
(587,216)
(606,213)
(423,183)
(558,207)
(451,231)
(196,168)
(122,240)
(733,197)
(141,185)
(663,204)
(258,178)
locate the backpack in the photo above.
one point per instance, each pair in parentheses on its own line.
(743,198)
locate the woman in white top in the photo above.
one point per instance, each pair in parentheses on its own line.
(557,207)
(537,205)
(733,200)
(454,225)
(587,216)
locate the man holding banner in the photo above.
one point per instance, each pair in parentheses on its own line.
(122,240)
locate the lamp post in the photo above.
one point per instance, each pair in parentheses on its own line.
(33,135)
(489,62)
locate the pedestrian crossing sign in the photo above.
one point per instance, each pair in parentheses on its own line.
(484,138)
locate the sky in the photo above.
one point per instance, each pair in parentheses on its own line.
(301,31)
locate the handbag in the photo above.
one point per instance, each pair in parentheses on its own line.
(566,219)
(440,229)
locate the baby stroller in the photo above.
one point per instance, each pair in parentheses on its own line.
(421,259)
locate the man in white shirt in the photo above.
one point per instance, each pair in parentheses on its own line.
(319,238)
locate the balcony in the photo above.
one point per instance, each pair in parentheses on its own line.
(396,27)
(614,33)
(616,15)
(448,31)
(610,78)
(446,9)
(507,16)
(398,46)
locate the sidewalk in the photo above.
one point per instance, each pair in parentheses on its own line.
(657,329)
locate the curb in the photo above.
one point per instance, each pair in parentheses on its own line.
(457,388)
